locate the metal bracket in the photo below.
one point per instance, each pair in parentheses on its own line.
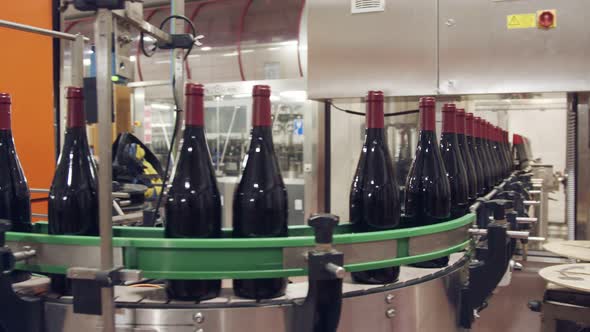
(87,284)
(18,313)
(320,312)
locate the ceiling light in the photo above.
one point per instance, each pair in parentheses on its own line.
(273,48)
(206,48)
(242,95)
(132,58)
(87,62)
(163,107)
(161,62)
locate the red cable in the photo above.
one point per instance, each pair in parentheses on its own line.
(239,41)
(298,37)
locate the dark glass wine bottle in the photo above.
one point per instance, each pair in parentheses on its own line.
(428,192)
(193,206)
(374,195)
(499,151)
(466,155)
(260,202)
(453,161)
(483,157)
(487,147)
(475,157)
(494,153)
(15,198)
(507,151)
(73,196)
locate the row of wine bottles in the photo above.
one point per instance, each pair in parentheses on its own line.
(473,156)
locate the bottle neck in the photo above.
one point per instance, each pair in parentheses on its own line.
(427,118)
(449,123)
(5,117)
(375,117)
(194,110)
(76,116)
(261,112)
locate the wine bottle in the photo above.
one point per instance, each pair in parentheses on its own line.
(193,206)
(494,153)
(466,155)
(260,206)
(453,161)
(507,150)
(73,196)
(475,157)
(487,148)
(499,151)
(374,195)
(15,198)
(483,157)
(428,192)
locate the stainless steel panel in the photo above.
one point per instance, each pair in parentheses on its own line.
(479,54)
(434,242)
(427,306)
(394,50)
(353,253)
(65,255)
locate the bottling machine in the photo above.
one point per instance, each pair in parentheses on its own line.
(443,55)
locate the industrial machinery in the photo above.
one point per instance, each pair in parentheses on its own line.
(106,270)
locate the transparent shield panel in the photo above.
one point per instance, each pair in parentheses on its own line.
(228,112)
(347,135)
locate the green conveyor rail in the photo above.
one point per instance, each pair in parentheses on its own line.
(148,250)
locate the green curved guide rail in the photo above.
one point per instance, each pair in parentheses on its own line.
(146,249)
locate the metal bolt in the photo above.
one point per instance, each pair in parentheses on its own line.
(337,271)
(198,318)
(389,298)
(390,313)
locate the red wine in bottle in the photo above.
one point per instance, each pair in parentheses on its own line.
(453,161)
(15,198)
(73,196)
(193,206)
(260,206)
(471,145)
(466,155)
(428,192)
(374,195)
(499,151)
(482,155)
(485,141)
(493,154)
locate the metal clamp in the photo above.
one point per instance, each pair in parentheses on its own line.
(17,314)
(87,284)
(320,312)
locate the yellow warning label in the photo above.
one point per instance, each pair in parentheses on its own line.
(521,21)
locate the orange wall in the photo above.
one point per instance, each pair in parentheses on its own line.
(26,73)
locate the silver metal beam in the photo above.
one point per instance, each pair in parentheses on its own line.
(39,31)
(103,30)
(177,70)
(133,14)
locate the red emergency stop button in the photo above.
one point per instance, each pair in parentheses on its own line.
(546,19)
